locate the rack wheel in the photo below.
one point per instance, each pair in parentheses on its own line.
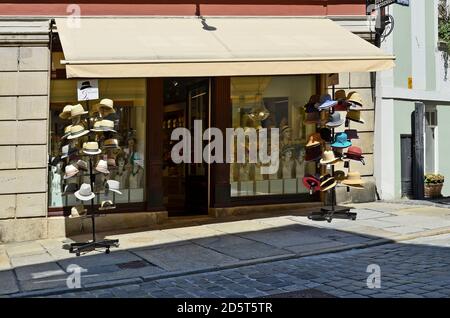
(71,250)
(354,218)
(107,251)
(78,254)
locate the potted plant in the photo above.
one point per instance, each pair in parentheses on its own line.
(433,185)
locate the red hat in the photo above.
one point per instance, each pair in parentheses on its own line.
(311,183)
(354,153)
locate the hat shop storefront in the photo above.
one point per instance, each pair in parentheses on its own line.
(162,74)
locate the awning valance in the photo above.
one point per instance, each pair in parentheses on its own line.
(189,46)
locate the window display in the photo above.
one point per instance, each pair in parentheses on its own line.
(273,102)
(121,128)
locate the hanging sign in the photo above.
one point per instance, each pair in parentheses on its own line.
(87,90)
(385,3)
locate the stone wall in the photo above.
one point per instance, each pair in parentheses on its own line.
(361,83)
(24,91)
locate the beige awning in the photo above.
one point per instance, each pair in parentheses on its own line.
(182,46)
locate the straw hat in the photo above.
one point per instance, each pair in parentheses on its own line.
(85,193)
(102,166)
(77,131)
(66,112)
(70,171)
(111,143)
(314,140)
(103,126)
(91,148)
(354,180)
(355,115)
(328,157)
(355,98)
(66,132)
(77,110)
(106,105)
(327,182)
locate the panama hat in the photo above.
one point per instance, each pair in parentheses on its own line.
(339,175)
(103,126)
(355,153)
(77,131)
(106,105)
(328,157)
(70,171)
(327,182)
(355,115)
(111,143)
(311,183)
(70,188)
(66,132)
(325,134)
(102,166)
(85,193)
(341,141)
(91,148)
(314,140)
(355,98)
(354,180)
(335,120)
(326,102)
(313,153)
(114,186)
(77,110)
(65,114)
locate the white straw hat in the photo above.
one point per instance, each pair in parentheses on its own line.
(66,112)
(91,148)
(77,131)
(102,166)
(104,125)
(85,193)
(77,110)
(70,171)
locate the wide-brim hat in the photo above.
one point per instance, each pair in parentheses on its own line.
(327,183)
(65,114)
(311,183)
(85,193)
(355,115)
(355,97)
(325,102)
(325,134)
(341,141)
(353,178)
(77,110)
(328,157)
(314,140)
(313,153)
(335,120)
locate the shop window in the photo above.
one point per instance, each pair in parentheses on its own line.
(126,163)
(282,99)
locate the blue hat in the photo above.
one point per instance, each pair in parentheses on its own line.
(326,102)
(341,141)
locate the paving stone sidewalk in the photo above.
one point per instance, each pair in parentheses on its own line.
(213,245)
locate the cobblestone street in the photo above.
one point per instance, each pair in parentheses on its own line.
(417,268)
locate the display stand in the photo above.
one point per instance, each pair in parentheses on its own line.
(328,213)
(78,248)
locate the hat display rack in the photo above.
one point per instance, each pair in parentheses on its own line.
(330,178)
(90,149)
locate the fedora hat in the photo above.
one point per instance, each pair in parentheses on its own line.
(341,97)
(114,186)
(325,134)
(85,84)
(335,120)
(355,115)
(312,118)
(352,134)
(77,131)
(111,143)
(85,193)
(341,141)
(339,175)
(70,188)
(77,110)
(314,140)
(354,180)
(313,153)
(355,98)
(66,132)
(70,171)
(355,153)
(91,148)
(326,102)
(311,183)
(102,166)
(328,157)
(82,165)
(327,182)
(103,126)
(106,105)
(77,211)
(65,114)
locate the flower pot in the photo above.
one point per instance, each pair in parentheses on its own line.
(433,190)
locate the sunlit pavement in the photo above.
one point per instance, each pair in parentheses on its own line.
(258,253)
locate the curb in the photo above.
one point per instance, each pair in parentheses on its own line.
(138,280)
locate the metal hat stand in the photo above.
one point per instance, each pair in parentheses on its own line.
(89,246)
(328,213)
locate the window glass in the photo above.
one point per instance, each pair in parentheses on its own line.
(282,100)
(125,160)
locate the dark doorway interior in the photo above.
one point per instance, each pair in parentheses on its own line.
(185,185)
(406,165)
